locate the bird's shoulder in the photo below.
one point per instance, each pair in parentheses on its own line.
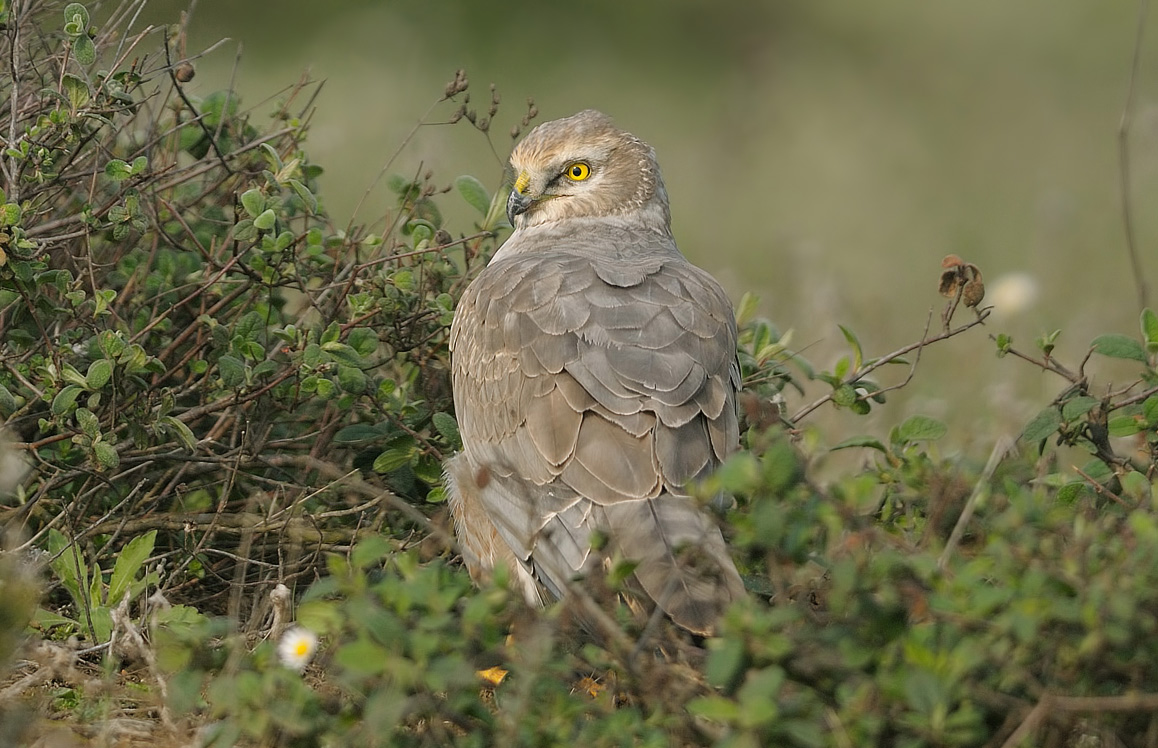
(615,280)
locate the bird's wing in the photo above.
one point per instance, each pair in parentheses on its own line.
(590,390)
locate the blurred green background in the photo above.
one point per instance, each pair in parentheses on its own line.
(824,155)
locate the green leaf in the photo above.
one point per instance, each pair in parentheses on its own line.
(1150,411)
(841,369)
(746,309)
(102,624)
(1119,346)
(217,105)
(265,221)
(844,395)
(44,620)
(496,215)
(344,353)
(920,429)
(129,561)
(1136,486)
(1097,470)
(183,433)
(351,379)
(738,473)
(447,427)
(780,465)
(1078,407)
(9,404)
(250,327)
(861,441)
(245,231)
(76,89)
(363,340)
(715,708)
(69,374)
(304,194)
(65,400)
(1149,322)
(117,170)
(140,164)
(102,298)
(1124,426)
(10,214)
(854,343)
(370,550)
(69,567)
(106,455)
(362,657)
(75,19)
(726,664)
(89,424)
(232,371)
(99,373)
(253,202)
(473,192)
(1071,492)
(84,50)
(420,231)
(1042,426)
(1046,342)
(392,459)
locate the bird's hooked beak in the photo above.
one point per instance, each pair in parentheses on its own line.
(519,200)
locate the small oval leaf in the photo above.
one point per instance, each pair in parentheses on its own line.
(1119,346)
(473,192)
(99,373)
(1043,424)
(65,399)
(266,221)
(232,370)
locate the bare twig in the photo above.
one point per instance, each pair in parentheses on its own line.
(1124,158)
(1000,450)
(134,643)
(864,371)
(1047,364)
(1100,489)
(1131,702)
(12,186)
(198,116)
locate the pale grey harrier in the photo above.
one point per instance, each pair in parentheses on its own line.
(595,376)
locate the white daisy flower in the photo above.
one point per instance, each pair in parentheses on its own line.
(297,647)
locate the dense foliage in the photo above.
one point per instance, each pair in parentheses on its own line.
(223,412)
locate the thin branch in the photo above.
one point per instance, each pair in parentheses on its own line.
(13,169)
(1003,446)
(1124,158)
(1047,364)
(864,371)
(1141,396)
(390,162)
(198,117)
(1100,489)
(1131,702)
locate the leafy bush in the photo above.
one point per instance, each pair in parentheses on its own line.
(233,414)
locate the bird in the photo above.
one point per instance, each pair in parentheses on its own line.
(594,378)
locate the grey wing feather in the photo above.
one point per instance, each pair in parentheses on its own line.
(594,389)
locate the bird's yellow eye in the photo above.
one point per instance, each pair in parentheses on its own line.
(578,171)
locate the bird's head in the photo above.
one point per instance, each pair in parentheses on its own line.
(583,166)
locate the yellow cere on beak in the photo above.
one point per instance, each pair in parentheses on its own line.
(523,181)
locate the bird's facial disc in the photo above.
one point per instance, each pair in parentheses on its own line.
(531,188)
